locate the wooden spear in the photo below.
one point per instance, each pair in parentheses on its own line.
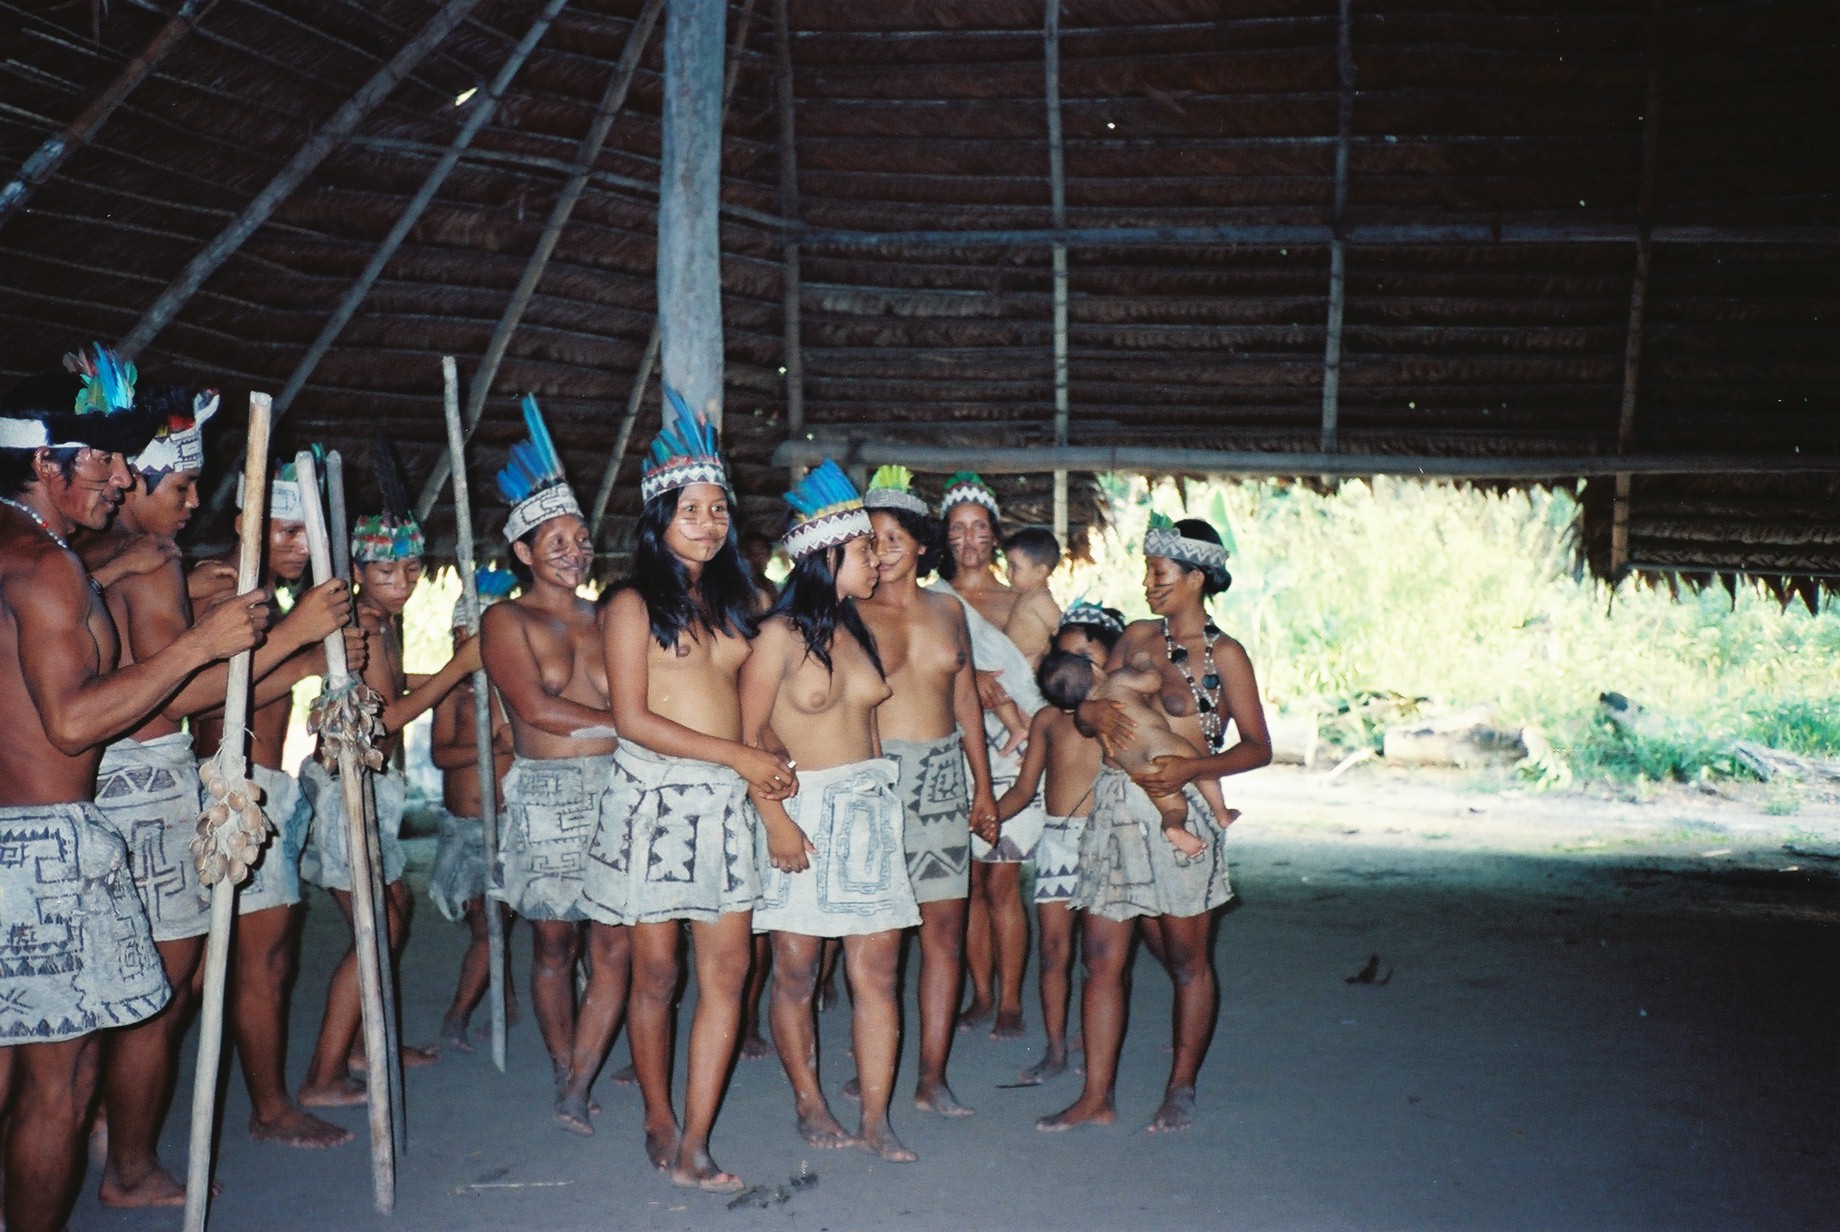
(223,893)
(365,907)
(482,709)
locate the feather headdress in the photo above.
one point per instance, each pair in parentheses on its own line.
(393,534)
(892,487)
(492,585)
(1165,540)
(532,481)
(1085,612)
(284,503)
(968,486)
(179,442)
(829,511)
(684,451)
(88,405)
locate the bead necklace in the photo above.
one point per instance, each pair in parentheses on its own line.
(1206,692)
(42,524)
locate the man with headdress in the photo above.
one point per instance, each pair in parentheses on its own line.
(76,952)
(148,787)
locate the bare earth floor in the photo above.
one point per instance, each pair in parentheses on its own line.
(1599,1016)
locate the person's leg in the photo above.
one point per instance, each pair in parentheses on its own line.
(398,909)
(53,1087)
(138,1064)
(979,958)
(603,1006)
(554,946)
(1107,950)
(875,1021)
(475,975)
(1009,929)
(827,974)
(329,1082)
(796,960)
(753,1044)
(648,1030)
(1185,946)
(723,949)
(264,954)
(942,974)
(1056,923)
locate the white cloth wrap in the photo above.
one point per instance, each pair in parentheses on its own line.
(326,861)
(274,880)
(1128,868)
(936,827)
(857,882)
(148,793)
(1057,859)
(459,873)
(675,841)
(552,806)
(76,952)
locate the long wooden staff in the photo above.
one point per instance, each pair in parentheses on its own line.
(338,525)
(223,892)
(366,909)
(482,711)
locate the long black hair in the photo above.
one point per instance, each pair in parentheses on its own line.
(808,598)
(948,563)
(1214,581)
(721,600)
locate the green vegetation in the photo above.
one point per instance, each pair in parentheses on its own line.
(1378,597)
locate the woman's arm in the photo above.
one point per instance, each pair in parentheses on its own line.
(517,677)
(399,712)
(1239,701)
(789,848)
(970,715)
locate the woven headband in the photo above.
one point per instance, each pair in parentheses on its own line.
(1169,543)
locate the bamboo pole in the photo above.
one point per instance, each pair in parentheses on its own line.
(365,909)
(1057,206)
(223,894)
(1338,245)
(338,521)
(482,708)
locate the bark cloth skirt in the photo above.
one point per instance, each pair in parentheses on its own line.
(149,794)
(552,806)
(937,803)
(857,882)
(1127,867)
(326,860)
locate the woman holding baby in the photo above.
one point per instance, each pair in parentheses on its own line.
(1129,870)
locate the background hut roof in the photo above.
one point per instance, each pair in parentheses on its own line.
(1496,183)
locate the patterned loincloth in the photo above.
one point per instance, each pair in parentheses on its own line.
(274,880)
(76,953)
(552,806)
(937,824)
(1057,859)
(459,873)
(1017,839)
(148,793)
(1127,867)
(857,882)
(675,841)
(324,862)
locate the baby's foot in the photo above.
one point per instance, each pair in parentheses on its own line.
(1184,842)
(1016,740)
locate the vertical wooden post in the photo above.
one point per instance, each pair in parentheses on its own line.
(1338,251)
(793,347)
(338,520)
(482,706)
(1057,190)
(223,894)
(689,191)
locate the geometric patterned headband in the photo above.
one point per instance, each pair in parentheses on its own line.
(1163,539)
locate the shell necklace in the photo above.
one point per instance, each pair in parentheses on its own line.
(42,524)
(1206,691)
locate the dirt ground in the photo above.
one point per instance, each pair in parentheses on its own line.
(1599,1015)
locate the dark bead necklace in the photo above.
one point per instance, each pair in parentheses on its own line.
(1206,691)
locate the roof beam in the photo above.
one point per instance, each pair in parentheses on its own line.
(1338,242)
(1478,232)
(45,161)
(323,141)
(612,100)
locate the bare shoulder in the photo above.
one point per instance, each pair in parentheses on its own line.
(1041,604)
(164,586)
(627,604)
(38,573)
(1229,648)
(945,608)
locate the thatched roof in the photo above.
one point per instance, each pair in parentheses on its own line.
(1494,192)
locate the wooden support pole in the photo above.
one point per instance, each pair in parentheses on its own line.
(1338,244)
(792,353)
(338,520)
(367,917)
(43,163)
(223,894)
(689,193)
(312,152)
(1057,197)
(613,98)
(482,705)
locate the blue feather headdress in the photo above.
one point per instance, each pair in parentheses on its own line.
(532,482)
(829,512)
(88,405)
(491,584)
(683,453)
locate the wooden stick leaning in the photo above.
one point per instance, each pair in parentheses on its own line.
(223,892)
(338,525)
(482,709)
(365,908)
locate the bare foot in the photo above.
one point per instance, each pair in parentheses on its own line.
(661,1146)
(157,1187)
(454,1035)
(975,1015)
(853,1089)
(819,1128)
(883,1142)
(413,1057)
(347,1092)
(938,1097)
(754,1048)
(1079,1114)
(1050,1066)
(700,1172)
(1183,841)
(628,1077)
(298,1127)
(1008,1026)
(573,1113)
(1176,1114)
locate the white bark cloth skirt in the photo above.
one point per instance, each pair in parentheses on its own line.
(1127,867)
(552,805)
(326,860)
(274,880)
(857,882)
(937,803)
(148,793)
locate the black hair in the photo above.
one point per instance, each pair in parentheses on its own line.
(948,565)
(724,596)
(519,569)
(1037,543)
(51,397)
(808,598)
(927,531)
(16,468)
(1214,581)
(1104,634)
(754,536)
(1065,679)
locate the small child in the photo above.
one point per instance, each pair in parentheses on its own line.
(1032,554)
(1068,680)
